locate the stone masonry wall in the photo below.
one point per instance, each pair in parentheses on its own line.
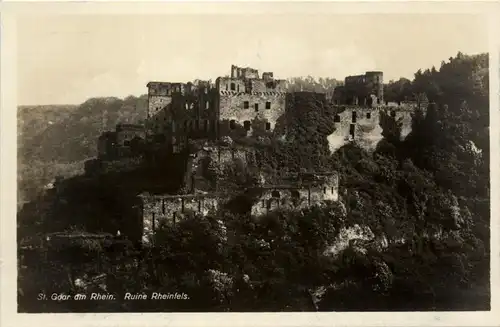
(362,124)
(232,107)
(355,123)
(296,197)
(169,209)
(157,102)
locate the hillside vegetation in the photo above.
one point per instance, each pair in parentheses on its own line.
(411,230)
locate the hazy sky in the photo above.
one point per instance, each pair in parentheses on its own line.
(67,59)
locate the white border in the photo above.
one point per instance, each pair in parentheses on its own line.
(8,148)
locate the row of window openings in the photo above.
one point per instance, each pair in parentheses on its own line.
(246,105)
(188,105)
(168,92)
(246,124)
(232,125)
(295,194)
(236,88)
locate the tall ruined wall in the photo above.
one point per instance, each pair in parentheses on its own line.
(365,125)
(169,209)
(158,123)
(355,123)
(244,72)
(156,103)
(191,113)
(364,89)
(248,109)
(159,96)
(375,82)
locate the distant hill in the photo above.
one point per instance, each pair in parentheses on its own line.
(69,133)
(56,139)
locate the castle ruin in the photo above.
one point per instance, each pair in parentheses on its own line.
(245,105)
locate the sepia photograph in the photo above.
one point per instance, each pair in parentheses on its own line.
(253,162)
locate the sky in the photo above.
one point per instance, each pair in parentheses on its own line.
(68,59)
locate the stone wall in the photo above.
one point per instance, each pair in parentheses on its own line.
(364,89)
(363,124)
(355,123)
(248,109)
(157,103)
(169,209)
(295,196)
(244,72)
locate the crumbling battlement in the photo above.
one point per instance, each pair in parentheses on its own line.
(244,72)
(176,102)
(169,209)
(300,194)
(178,110)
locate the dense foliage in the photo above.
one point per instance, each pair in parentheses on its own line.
(410,232)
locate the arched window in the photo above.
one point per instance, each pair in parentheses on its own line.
(295,194)
(268,126)
(232,124)
(247,124)
(275,194)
